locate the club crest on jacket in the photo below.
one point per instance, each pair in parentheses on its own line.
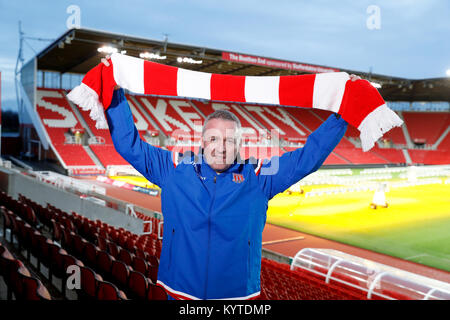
(238,178)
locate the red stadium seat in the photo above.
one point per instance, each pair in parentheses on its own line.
(102,243)
(125,256)
(89,283)
(140,265)
(152,273)
(137,285)
(156,293)
(104,263)
(7,223)
(33,289)
(153,260)
(57,233)
(108,291)
(113,249)
(78,245)
(120,273)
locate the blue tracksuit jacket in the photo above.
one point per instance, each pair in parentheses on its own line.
(213,223)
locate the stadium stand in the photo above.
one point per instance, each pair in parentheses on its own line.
(357,156)
(430,156)
(334,158)
(175,117)
(278,120)
(280,283)
(306,117)
(104,276)
(250,129)
(426,127)
(57,118)
(181,119)
(395,136)
(391,155)
(445,143)
(108,155)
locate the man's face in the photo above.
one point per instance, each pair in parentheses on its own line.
(220,143)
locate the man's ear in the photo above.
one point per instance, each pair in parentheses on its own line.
(239,144)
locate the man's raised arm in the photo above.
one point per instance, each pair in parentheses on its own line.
(152,162)
(280,173)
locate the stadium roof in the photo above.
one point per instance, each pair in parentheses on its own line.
(76,51)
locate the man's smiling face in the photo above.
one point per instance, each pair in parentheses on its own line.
(220,143)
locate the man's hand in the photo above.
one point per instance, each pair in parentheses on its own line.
(354,77)
(106,63)
(105,60)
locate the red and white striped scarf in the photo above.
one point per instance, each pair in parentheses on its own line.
(358,102)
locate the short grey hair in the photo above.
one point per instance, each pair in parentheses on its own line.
(224,115)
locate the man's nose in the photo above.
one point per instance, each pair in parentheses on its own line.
(221,147)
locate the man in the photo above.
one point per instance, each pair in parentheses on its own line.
(214,204)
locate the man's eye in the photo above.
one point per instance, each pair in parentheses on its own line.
(212,139)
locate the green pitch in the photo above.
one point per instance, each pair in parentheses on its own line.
(415,226)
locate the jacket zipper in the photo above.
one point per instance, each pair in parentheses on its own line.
(249,267)
(209,237)
(170,249)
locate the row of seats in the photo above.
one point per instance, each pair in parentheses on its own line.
(278,282)
(431,157)
(149,244)
(311,284)
(75,251)
(105,235)
(57,260)
(133,275)
(91,249)
(146,246)
(18,278)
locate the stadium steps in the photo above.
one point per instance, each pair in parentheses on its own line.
(249,114)
(78,114)
(407,156)
(341,157)
(405,131)
(93,157)
(441,138)
(147,116)
(197,109)
(381,156)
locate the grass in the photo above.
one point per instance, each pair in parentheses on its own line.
(415,226)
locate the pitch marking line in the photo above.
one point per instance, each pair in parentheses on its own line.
(425,255)
(283,240)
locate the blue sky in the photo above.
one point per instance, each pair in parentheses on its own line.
(412,41)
